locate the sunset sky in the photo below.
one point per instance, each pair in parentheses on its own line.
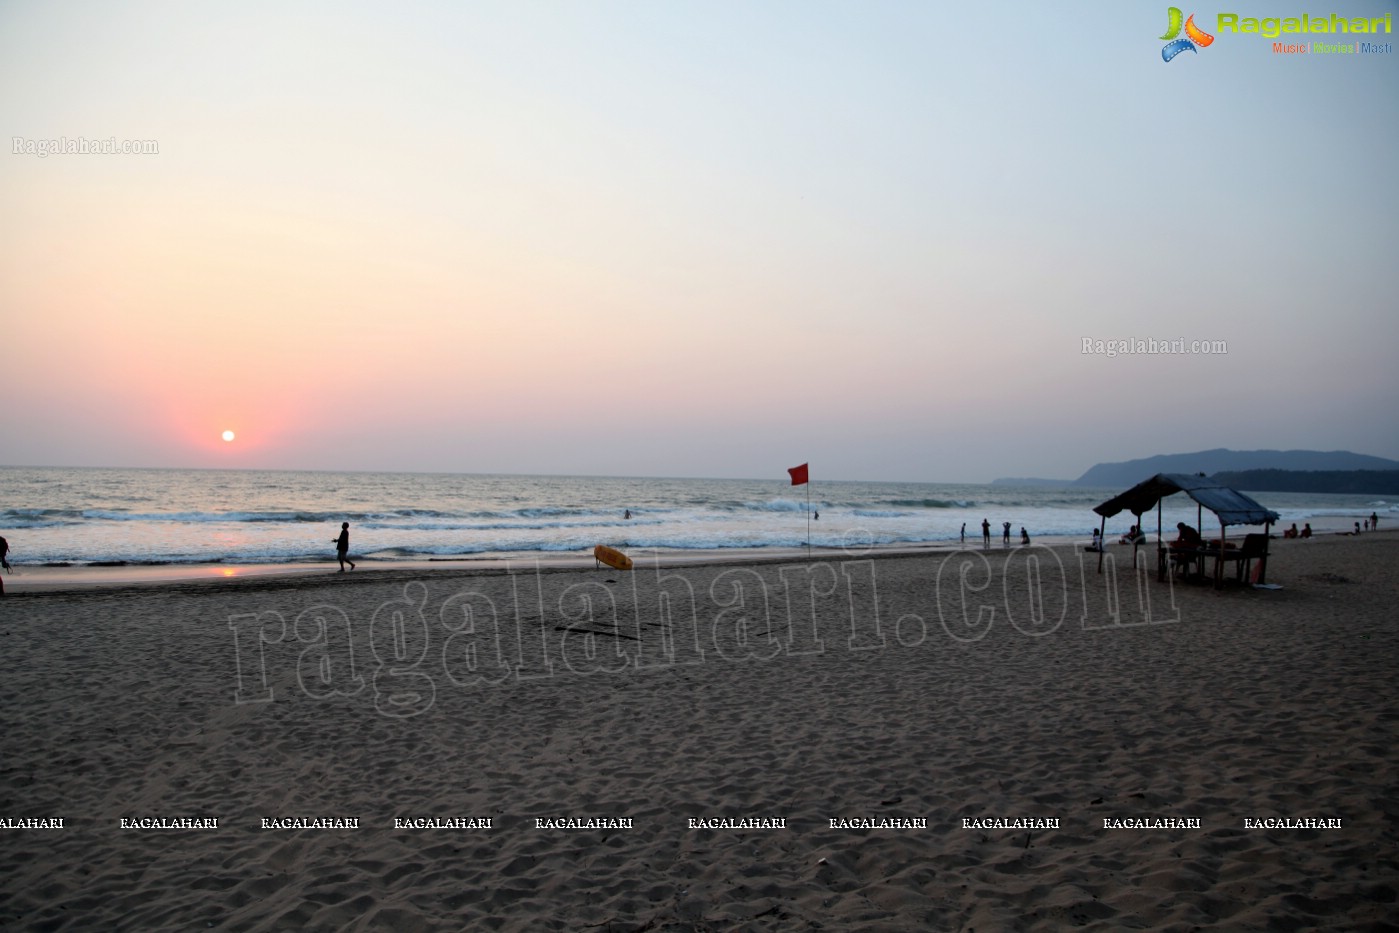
(689,239)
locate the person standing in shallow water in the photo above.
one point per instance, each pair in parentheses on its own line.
(342,547)
(985,532)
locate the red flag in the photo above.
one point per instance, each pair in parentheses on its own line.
(798,474)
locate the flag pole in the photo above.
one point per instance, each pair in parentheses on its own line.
(805,480)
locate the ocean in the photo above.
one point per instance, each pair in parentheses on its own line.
(81,516)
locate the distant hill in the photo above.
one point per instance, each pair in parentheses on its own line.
(1030,481)
(1350,482)
(1210,462)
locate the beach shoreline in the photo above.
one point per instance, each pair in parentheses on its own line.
(44,578)
(131,523)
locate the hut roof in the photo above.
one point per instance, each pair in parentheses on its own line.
(1232,506)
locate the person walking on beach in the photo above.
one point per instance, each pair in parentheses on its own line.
(1374,521)
(342,547)
(964,532)
(985,533)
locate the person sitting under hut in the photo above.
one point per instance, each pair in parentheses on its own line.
(1186,537)
(1185,548)
(1134,535)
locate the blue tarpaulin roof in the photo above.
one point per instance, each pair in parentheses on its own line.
(1232,506)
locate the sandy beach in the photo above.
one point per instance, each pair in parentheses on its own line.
(943,741)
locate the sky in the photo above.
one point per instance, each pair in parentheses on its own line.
(690,238)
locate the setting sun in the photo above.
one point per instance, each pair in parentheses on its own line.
(228,435)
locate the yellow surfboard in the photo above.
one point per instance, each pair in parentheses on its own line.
(611,557)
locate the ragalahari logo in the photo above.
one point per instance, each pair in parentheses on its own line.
(1194,36)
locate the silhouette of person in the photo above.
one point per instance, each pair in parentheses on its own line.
(1184,548)
(1186,537)
(342,547)
(985,533)
(964,532)
(4,550)
(816,516)
(1005,532)
(627,514)
(1374,521)
(1024,535)
(1307,530)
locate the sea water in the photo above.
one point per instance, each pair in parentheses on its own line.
(82,516)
